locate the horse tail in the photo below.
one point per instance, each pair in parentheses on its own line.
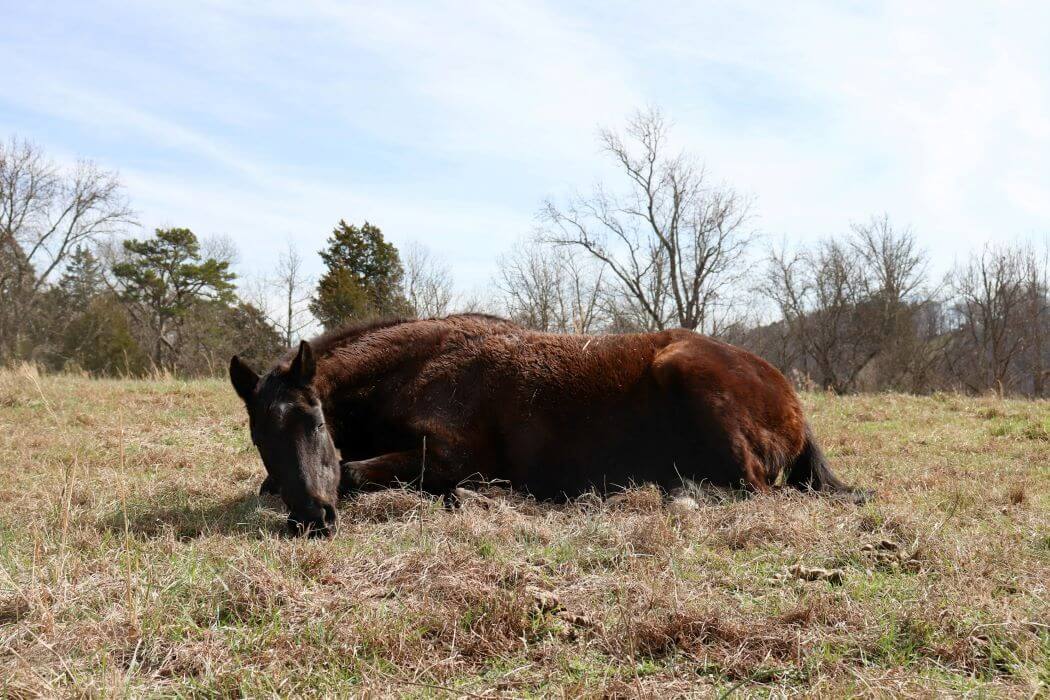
(811,472)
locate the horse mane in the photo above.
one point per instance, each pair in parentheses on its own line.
(326,343)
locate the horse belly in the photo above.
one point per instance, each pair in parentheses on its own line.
(606,445)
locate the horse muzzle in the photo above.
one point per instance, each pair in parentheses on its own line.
(319,521)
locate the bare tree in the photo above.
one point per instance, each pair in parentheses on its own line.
(427,282)
(222,248)
(584,289)
(1037,316)
(853,304)
(478,301)
(46,212)
(895,267)
(819,293)
(283,297)
(549,291)
(672,243)
(894,275)
(294,288)
(992,305)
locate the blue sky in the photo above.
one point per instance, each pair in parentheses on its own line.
(450,123)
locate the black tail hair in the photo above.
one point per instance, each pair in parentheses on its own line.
(811,472)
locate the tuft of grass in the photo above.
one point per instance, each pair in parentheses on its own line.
(136,559)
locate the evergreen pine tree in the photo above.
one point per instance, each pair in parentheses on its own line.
(82,279)
(161,280)
(363,279)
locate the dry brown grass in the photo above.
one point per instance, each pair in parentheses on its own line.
(166,575)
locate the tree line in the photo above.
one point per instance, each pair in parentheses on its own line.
(661,245)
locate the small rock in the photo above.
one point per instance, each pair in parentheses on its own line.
(833,576)
(684,504)
(882,546)
(545,601)
(575,619)
(464,496)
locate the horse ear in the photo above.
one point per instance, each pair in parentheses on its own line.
(243,378)
(303,366)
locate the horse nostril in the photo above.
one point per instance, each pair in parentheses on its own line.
(317,521)
(310,528)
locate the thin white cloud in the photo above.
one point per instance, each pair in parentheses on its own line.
(102,113)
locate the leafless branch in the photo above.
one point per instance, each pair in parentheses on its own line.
(671,243)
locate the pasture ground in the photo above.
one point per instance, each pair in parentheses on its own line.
(161,573)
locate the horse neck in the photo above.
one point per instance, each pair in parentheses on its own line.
(357,371)
(351,385)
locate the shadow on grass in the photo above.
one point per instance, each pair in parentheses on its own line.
(187,515)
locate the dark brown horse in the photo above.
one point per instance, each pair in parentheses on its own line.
(440,401)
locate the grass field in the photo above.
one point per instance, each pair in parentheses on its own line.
(137,560)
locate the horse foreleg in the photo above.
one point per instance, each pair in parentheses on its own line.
(411,467)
